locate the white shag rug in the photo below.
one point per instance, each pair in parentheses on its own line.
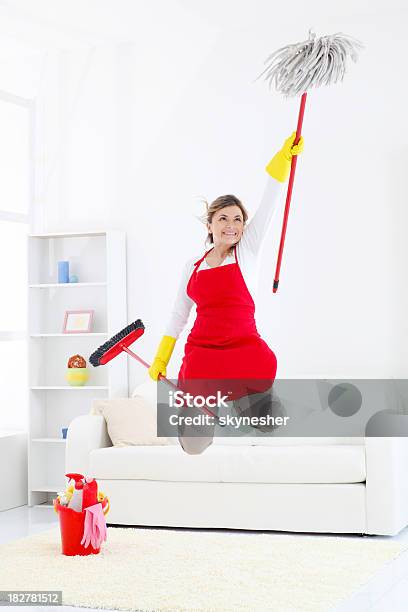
(184,570)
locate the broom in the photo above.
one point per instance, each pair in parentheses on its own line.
(121,342)
(296,68)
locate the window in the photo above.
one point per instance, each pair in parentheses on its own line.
(15,201)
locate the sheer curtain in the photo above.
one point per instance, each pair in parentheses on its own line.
(16,164)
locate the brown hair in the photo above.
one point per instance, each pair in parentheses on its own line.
(217,204)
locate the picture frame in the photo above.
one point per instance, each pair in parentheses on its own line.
(77,321)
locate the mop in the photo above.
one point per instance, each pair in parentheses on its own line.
(293,70)
(120,342)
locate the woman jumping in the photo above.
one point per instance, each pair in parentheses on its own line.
(224,343)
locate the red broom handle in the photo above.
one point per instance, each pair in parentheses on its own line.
(161,377)
(289,192)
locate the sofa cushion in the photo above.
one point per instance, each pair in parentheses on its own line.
(282,464)
(129,421)
(147,390)
(273,440)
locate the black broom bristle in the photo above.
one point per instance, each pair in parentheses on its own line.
(98,354)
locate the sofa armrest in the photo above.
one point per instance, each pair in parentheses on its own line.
(85,433)
(387,481)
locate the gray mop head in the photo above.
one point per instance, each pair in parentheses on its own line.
(312,63)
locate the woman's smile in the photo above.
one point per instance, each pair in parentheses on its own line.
(227,226)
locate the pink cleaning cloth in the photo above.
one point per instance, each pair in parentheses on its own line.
(94,526)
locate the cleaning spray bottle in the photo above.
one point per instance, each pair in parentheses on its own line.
(75,503)
(90,493)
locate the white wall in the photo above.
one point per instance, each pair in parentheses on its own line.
(136,130)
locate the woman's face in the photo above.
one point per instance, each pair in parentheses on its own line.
(227,225)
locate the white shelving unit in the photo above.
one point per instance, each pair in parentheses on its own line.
(98,258)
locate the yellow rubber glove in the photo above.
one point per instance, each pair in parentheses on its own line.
(162,358)
(279,166)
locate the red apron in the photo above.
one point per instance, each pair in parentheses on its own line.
(224,349)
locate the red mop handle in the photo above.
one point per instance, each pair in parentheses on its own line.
(161,377)
(289,192)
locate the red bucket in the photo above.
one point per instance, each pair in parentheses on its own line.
(72,531)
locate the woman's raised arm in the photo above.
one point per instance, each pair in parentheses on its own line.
(278,169)
(257,228)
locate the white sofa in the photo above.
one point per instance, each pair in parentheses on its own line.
(328,485)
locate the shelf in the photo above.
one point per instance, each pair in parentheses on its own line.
(44,506)
(49,489)
(65,285)
(69,234)
(98,258)
(69,388)
(50,440)
(61,335)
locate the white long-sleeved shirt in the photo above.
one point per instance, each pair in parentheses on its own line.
(248,255)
